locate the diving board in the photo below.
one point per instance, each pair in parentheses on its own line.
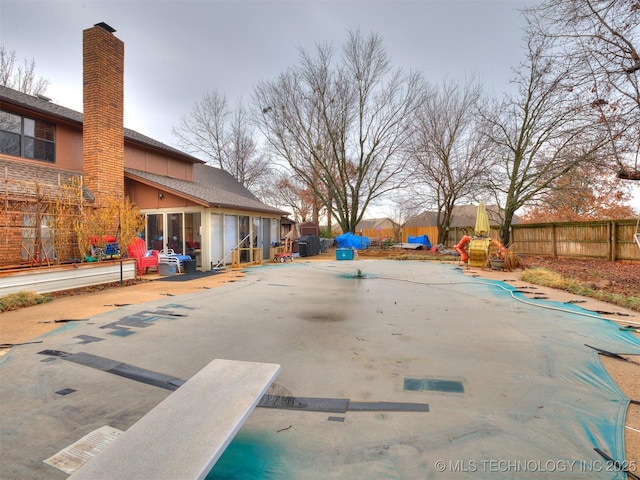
(185,434)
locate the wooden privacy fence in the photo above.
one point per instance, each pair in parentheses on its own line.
(607,240)
(400,235)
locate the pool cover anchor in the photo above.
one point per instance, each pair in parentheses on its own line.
(617,356)
(11,345)
(619,466)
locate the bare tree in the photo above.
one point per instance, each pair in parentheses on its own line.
(449,154)
(540,133)
(225,138)
(290,193)
(21,77)
(341,127)
(600,39)
(403,205)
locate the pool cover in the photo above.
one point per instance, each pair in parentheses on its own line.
(515,387)
(521,391)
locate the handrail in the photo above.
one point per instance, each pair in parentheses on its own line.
(220,262)
(256,252)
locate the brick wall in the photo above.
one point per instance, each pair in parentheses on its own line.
(11,248)
(18,240)
(103,130)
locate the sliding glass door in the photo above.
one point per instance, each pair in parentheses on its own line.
(178,231)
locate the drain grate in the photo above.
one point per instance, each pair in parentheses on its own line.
(121,332)
(452,386)
(88,339)
(414,384)
(432,384)
(65,391)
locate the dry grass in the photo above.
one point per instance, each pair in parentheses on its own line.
(14,301)
(549,278)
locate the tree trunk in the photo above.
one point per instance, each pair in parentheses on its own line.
(505,232)
(315,215)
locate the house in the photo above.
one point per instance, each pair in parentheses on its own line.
(463,216)
(370,224)
(189,207)
(462,222)
(377,224)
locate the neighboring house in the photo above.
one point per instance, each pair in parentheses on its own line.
(190,207)
(463,216)
(376,224)
(369,224)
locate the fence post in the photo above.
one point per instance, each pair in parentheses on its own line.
(612,240)
(554,248)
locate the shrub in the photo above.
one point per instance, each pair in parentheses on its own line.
(14,301)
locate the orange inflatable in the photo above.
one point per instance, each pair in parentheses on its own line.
(461,248)
(496,243)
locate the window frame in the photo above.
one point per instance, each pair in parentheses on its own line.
(31,146)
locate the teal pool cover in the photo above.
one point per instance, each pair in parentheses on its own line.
(509,387)
(524,393)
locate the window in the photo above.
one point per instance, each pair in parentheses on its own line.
(155,231)
(27,137)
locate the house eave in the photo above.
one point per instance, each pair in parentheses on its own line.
(224,206)
(44,112)
(164,188)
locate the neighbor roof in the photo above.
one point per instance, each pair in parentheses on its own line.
(45,106)
(373,223)
(463,216)
(211,186)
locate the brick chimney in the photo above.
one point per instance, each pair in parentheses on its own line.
(103,98)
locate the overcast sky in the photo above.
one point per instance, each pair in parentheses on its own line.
(176,51)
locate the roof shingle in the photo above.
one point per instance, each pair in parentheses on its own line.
(38,104)
(212,186)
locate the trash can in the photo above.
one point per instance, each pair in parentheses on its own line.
(303,248)
(189,266)
(309,245)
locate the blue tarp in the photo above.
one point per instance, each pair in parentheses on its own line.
(349,240)
(421,239)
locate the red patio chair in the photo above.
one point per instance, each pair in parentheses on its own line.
(137,249)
